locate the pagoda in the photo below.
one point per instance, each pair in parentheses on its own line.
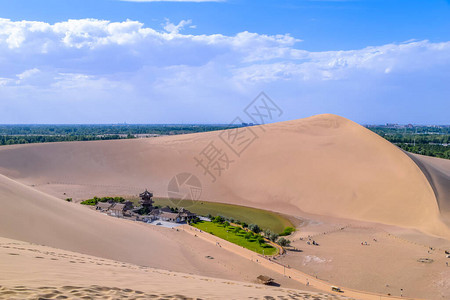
(146,202)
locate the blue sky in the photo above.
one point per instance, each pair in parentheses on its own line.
(109,61)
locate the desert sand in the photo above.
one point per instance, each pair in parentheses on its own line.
(30,271)
(324,164)
(346,184)
(437,171)
(394,258)
(32,216)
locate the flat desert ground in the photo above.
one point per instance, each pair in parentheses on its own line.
(344,184)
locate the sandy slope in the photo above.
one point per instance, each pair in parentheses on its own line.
(437,171)
(323,164)
(32,216)
(32,271)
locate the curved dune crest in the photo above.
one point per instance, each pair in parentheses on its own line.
(324,164)
(437,171)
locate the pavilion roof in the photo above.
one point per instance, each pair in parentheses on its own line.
(146,194)
(118,206)
(105,205)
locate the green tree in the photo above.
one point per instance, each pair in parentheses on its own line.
(255,228)
(270,235)
(283,242)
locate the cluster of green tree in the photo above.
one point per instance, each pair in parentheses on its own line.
(410,129)
(194,220)
(269,234)
(96,200)
(122,129)
(425,140)
(248,235)
(24,134)
(252,227)
(221,219)
(428,150)
(255,231)
(143,211)
(28,139)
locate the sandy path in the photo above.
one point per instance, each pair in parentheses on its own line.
(284,269)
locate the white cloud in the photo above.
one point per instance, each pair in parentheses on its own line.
(99,60)
(172,28)
(28,73)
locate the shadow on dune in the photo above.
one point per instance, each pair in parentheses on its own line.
(437,171)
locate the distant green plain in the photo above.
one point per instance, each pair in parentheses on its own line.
(265,219)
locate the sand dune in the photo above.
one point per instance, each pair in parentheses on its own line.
(437,171)
(32,216)
(324,165)
(38,272)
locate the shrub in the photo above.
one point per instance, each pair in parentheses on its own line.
(69,199)
(92,202)
(255,228)
(273,237)
(218,219)
(270,235)
(287,231)
(108,199)
(194,220)
(144,211)
(283,242)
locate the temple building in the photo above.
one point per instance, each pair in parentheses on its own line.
(147,209)
(146,200)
